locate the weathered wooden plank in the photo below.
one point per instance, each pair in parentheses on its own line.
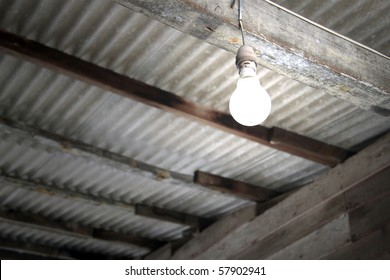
(373,246)
(369,217)
(319,242)
(234,187)
(108,80)
(370,189)
(332,184)
(330,237)
(295,230)
(213,234)
(285,43)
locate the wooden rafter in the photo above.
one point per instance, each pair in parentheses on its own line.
(56,60)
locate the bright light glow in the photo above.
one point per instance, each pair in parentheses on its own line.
(249,104)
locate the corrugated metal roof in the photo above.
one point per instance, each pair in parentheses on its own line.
(128,43)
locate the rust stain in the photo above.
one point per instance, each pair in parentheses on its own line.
(234,40)
(162,174)
(43,190)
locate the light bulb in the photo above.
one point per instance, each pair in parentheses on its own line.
(249,104)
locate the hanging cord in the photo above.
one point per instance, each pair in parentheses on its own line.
(240,25)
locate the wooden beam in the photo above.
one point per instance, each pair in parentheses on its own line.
(234,187)
(368,191)
(372,246)
(172,216)
(302,207)
(301,227)
(333,235)
(368,218)
(286,43)
(77,229)
(108,80)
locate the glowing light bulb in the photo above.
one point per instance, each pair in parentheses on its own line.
(249,104)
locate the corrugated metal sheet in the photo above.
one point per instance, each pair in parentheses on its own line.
(87,214)
(145,133)
(114,37)
(34,160)
(367,22)
(40,236)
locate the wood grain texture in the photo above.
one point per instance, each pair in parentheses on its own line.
(331,236)
(376,245)
(213,234)
(295,230)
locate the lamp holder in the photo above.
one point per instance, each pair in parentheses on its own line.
(246,58)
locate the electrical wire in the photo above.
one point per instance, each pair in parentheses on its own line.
(240,24)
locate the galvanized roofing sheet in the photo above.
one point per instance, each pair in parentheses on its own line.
(128,43)
(367,22)
(39,236)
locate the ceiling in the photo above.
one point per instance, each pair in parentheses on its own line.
(78,162)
